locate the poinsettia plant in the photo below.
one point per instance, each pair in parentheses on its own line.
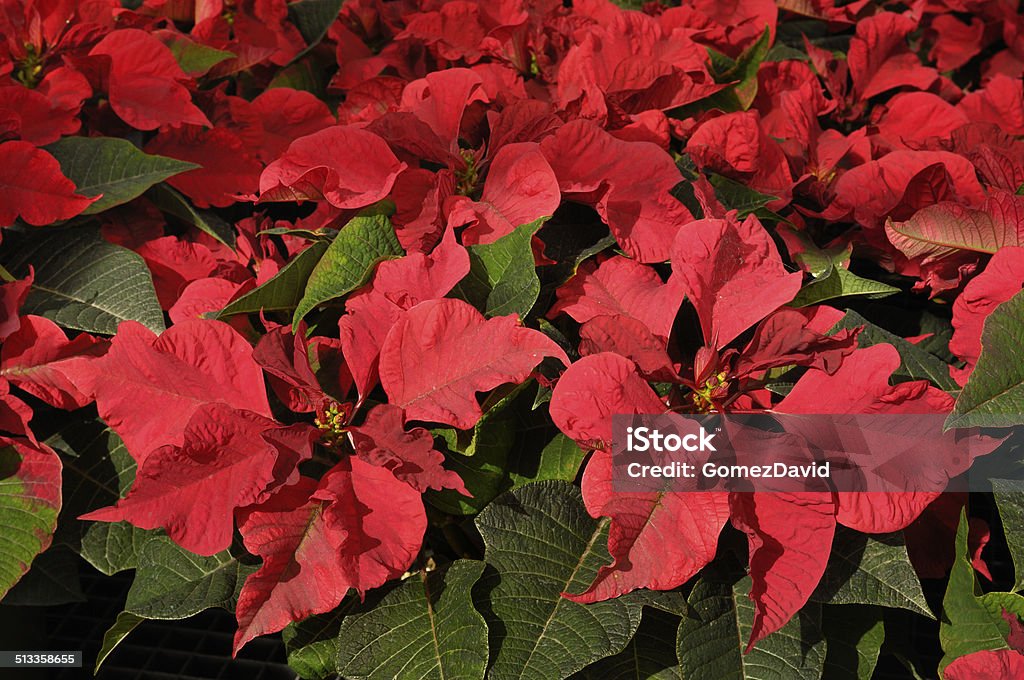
(319,312)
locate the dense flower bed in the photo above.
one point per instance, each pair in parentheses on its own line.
(319,312)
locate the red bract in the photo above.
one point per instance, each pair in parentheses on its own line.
(717,263)
(1003,664)
(32,357)
(397,285)
(357,528)
(520,188)
(658,540)
(442,352)
(880,59)
(345,166)
(147,388)
(229,459)
(699,208)
(145,83)
(34,188)
(383,440)
(628,183)
(228,167)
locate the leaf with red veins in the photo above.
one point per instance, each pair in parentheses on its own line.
(410,455)
(718,263)
(33,187)
(145,81)
(998,664)
(287,115)
(628,183)
(343,165)
(1002,278)
(147,388)
(790,538)
(619,286)
(358,529)
(32,358)
(520,188)
(943,229)
(228,169)
(12,297)
(230,459)
(880,58)
(442,352)
(786,338)
(285,356)
(397,285)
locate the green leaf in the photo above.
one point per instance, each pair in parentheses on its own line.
(312,645)
(854,635)
(173,203)
(115,168)
(173,583)
(479,457)
(282,292)
(28,510)
(83,282)
(967,625)
(502,278)
(349,261)
(838,282)
(195,58)
(875,569)
(711,640)
(539,543)
(313,18)
(307,75)
(994,394)
(559,459)
(781,52)
(745,70)
(739,197)
(511,445)
(995,603)
(1009,498)
(117,633)
(425,628)
(98,471)
(916,363)
(650,655)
